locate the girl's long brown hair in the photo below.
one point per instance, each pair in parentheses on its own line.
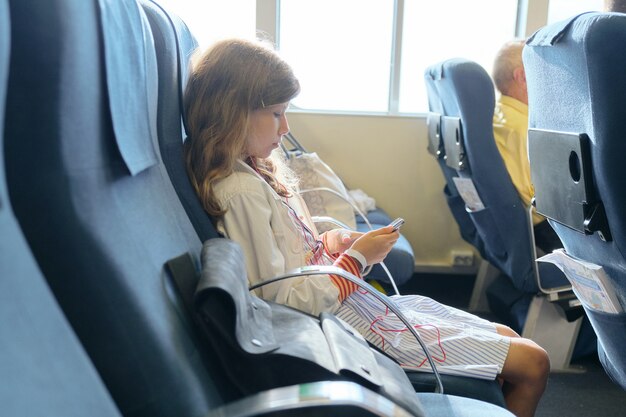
(227,82)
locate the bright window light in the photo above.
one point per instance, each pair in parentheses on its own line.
(562,9)
(340,52)
(442,29)
(211,20)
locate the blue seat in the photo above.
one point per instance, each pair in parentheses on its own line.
(487,273)
(435,147)
(175,44)
(44,369)
(576,87)
(468,100)
(91,196)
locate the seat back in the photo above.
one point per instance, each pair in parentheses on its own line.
(467,100)
(577,85)
(436,148)
(174,45)
(44,369)
(95,203)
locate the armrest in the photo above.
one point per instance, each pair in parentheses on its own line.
(554,293)
(388,302)
(298,398)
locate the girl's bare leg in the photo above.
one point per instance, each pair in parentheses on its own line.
(525,373)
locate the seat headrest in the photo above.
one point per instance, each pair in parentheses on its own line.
(174,44)
(132,82)
(187,45)
(5,43)
(550,35)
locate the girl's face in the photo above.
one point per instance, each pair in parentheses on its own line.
(267,126)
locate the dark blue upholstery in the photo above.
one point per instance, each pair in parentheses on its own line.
(175,44)
(484,228)
(466,91)
(95,202)
(44,369)
(455,202)
(576,83)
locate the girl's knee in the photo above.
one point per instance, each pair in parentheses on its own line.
(527,361)
(537,362)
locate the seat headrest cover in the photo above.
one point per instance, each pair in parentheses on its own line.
(131,81)
(176,34)
(434,72)
(5,42)
(550,35)
(187,45)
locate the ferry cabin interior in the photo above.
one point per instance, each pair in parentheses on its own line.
(118,296)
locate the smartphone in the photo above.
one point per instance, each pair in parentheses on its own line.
(397,223)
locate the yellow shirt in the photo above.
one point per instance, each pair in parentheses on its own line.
(510,129)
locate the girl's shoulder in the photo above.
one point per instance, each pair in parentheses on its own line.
(237,183)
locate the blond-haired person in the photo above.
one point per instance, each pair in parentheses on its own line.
(510,128)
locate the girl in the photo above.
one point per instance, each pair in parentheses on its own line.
(235,103)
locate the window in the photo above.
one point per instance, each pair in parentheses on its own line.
(438,30)
(210,20)
(562,9)
(340,52)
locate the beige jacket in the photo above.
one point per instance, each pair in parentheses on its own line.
(258,220)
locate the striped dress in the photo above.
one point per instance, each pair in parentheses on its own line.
(460,343)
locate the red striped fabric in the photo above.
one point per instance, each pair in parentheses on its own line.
(349,264)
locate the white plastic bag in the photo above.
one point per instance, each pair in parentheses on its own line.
(322,190)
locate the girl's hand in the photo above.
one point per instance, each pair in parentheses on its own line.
(376,244)
(338,240)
